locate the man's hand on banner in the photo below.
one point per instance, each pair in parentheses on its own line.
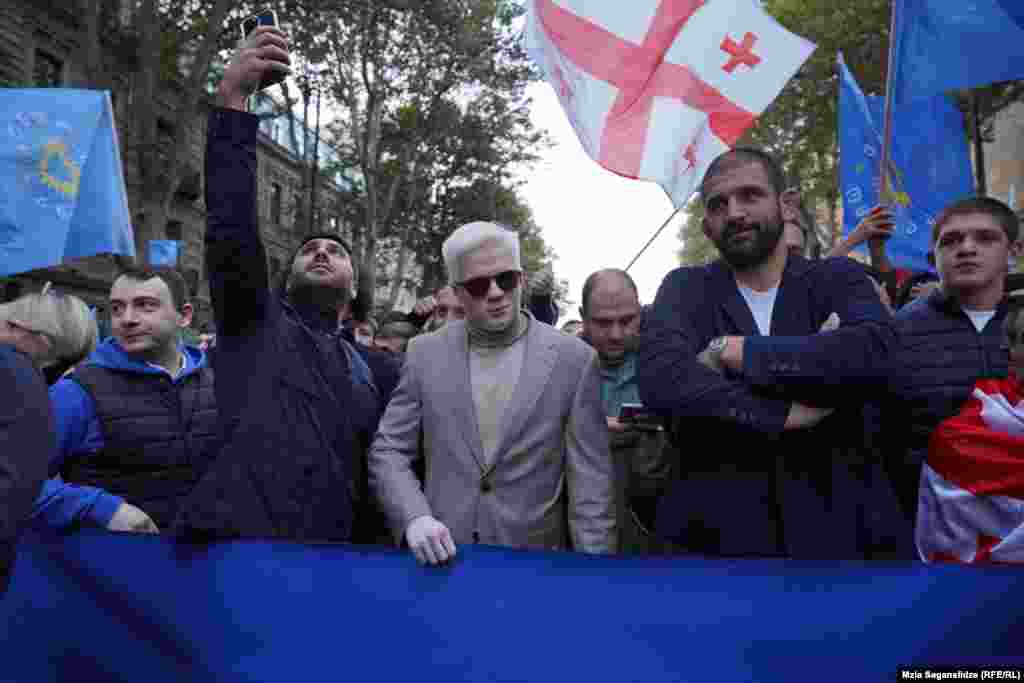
(132,519)
(803,416)
(430,541)
(265,50)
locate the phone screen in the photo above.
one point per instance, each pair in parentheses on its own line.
(264,18)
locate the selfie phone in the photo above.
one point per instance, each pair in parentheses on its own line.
(267,17)
(637,415)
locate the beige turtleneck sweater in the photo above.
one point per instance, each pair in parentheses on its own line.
(495,362)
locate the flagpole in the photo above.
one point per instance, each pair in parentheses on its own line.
(979,146)
(883,193)
(651,241)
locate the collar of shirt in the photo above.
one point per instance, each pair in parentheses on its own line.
(182,364)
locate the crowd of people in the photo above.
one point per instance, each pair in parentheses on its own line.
(765,405)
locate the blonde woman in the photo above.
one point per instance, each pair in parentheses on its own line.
(36,331)
(55,330)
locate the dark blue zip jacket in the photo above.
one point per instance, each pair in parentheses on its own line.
(26,445)
(939,359)
(294,422)
(80,435)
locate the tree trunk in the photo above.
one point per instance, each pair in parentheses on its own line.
(314,167)
(401,264)
(89,50)
(160,181)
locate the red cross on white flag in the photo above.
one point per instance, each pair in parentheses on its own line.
(656,89)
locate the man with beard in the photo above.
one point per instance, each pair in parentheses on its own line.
(509,409)
(611,324)
(765,359)
(295,413)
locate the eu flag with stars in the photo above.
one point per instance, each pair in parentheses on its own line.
(931,166)
(946,45)
(62,189)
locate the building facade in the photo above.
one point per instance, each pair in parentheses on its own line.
(38,48)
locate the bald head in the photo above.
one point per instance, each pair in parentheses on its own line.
(608,282)
(611,313)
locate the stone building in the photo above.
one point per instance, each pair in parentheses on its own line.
(1004,157)
(38,42)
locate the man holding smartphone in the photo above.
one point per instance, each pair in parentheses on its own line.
(295,416)
(612,315)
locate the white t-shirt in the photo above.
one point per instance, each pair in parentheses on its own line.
(761,305)
(979,318)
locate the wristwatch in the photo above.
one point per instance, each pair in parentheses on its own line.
(716,347)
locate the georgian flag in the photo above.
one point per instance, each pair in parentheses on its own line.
(656,89)
(971,503)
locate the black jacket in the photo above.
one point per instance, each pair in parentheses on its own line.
(27,445)
(940,358)
(744,486)
(295,423)
(158,436)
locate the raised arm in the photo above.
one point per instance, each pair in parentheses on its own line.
(235,256)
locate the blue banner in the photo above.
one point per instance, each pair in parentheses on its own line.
(943,45)
(164,252)
(62,190)
(931,166)
(95,606)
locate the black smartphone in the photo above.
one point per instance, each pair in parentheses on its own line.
(637,415)
(267,17)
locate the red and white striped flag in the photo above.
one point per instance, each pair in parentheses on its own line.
(656,89)
(971,503)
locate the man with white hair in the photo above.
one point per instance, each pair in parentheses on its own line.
(511,417)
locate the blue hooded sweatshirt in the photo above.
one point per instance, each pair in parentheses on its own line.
(78,433)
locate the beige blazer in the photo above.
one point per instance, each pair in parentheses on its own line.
(554,439)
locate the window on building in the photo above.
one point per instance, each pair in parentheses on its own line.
(48,71)
(276,199)
(174,230)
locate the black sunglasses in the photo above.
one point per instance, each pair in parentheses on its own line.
(479,286)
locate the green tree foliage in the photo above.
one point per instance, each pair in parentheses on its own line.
(428,104)
(697,249)
(800,127)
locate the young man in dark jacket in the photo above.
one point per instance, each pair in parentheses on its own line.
(764,358)
(295,420)
(952,337)
(137,421)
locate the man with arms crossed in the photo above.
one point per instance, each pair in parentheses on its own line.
(769,358)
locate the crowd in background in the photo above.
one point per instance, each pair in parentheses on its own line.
(765,405)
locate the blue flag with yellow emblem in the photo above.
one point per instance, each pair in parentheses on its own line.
(931,166)
(62,189)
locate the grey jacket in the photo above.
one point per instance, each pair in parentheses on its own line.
(554,439)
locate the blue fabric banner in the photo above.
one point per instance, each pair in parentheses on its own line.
(943,45)
(931,165)
(62,190)
(96,606)
(164,252)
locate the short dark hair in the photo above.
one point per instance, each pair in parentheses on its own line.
(286,272)
(1002,214)
(172,278)
(745,155)
(592,281)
